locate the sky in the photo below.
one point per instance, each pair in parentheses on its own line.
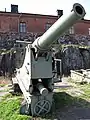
(47,7)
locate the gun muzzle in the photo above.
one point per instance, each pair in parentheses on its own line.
(59,27)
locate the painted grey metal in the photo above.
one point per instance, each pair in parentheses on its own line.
(60,74)
(41,68)
(42,106)
(43,91)
(59,27)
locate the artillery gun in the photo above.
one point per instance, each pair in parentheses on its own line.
(35,77)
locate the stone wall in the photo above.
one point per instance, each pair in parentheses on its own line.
(76,39)
(73,58)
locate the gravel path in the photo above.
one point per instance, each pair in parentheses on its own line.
(3,91)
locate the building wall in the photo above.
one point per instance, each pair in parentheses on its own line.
(82,27)
(34,23)
(9,22)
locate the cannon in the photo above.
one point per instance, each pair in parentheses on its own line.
(35,77)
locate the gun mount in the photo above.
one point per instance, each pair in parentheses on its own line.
(35,77)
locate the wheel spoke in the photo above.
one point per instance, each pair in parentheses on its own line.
(45,109)
(39,106)
(39,109)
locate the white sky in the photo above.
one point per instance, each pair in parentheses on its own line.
(48,7)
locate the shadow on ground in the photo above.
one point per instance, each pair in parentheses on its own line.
(66,107)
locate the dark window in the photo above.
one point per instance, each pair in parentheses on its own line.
(22,27)
(71,30)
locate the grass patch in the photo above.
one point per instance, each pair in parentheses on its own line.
(62,99)
(9,108)
(3,90)
(7,96)
(2,85)
(10,105)
(86,89)
(65,97)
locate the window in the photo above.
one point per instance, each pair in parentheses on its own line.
(89,30)
(47,26)
(71,30)
(22,27)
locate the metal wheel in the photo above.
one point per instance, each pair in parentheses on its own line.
(25,109)
(42,107)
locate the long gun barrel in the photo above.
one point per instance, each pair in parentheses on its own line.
(59,27)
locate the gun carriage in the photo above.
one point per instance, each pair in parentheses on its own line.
(35,77)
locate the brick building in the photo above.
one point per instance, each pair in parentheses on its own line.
(36,23)
(23,22)
(82,27)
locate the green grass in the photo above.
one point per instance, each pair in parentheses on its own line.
(9,108)
(62,99)
(86,89)
(2,85)
(66,98)
(10,105)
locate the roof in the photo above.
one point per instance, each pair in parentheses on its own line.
(36,15)
(27,14)
(84,21)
